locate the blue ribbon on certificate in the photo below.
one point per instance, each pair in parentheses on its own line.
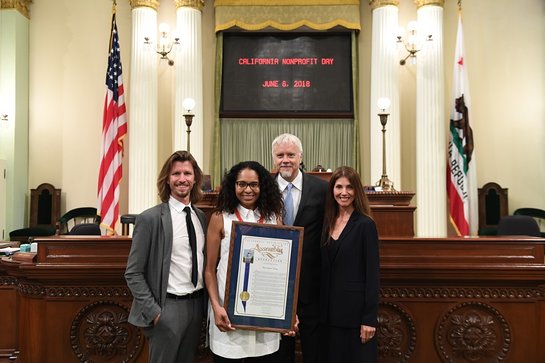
(245,295)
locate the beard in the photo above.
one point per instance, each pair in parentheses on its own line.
(286,173)
(184,193)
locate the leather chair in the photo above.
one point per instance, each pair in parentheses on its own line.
(86,215)
(535,213)
(126,221)
(45,203)
(493,205)
(24,235)
(518,226)
(86,229)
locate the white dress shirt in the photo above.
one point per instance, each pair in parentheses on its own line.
(296,191)
(179,277)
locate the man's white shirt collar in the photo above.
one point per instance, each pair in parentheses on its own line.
(177,205)
(297,182)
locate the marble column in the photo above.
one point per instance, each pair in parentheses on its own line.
(189,77)
(14,115)
(431,148)
(142,122)
(385,83)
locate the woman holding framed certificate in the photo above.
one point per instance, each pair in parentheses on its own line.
(248,194)
(350,272)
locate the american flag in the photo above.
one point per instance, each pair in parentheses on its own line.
(114,128)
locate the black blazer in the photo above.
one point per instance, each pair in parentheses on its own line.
(350,276)
(310,215)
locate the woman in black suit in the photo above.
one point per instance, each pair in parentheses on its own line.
(350,272)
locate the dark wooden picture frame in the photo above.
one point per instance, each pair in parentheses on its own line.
(269,234)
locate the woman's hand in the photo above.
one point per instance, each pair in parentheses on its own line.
(222,320)
(367,333)
(292,333)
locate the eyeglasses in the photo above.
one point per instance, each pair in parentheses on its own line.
(243,185)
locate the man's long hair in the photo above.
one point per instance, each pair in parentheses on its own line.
(269,202)
(162,180)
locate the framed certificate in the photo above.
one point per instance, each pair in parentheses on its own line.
(263,276)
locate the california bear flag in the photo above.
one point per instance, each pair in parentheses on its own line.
(461,166)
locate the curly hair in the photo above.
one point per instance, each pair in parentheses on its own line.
(162,180)
(270,199)
(361,203)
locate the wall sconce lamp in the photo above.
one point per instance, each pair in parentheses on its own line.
(4,121)
(165,44)
(384,183)
(188,104)
(413,42)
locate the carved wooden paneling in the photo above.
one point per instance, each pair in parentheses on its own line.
(455,300)
(462,300)
(101,332)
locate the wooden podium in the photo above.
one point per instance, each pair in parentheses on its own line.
(391,211)
(72,303)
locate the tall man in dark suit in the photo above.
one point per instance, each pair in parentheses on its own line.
(306,204)
(165,265)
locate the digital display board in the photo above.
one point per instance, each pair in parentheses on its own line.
(287,75)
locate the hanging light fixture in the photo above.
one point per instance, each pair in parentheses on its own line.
(413,42)
(165,44)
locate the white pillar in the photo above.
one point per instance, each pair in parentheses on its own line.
(14,114)
(142,120)
(385,83)
(189,77)
(431,207)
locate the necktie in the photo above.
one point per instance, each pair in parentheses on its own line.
(289,216)
(193,244)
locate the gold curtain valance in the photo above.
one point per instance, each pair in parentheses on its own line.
(287,14)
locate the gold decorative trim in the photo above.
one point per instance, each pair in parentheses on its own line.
(375,4)
(195,4)
(22,6)
(154,4)
(420,3)
(284,2)
(258,17)
(287,27)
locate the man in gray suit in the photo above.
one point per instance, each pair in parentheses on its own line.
(304,207)
(165,265)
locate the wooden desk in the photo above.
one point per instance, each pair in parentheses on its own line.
(442,300)
(462,300)
(72,302)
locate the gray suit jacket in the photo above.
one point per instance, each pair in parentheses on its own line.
(148,265)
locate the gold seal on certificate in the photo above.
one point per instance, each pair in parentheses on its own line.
(245,296)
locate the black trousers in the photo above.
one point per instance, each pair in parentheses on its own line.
(309,333)
(344,345)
